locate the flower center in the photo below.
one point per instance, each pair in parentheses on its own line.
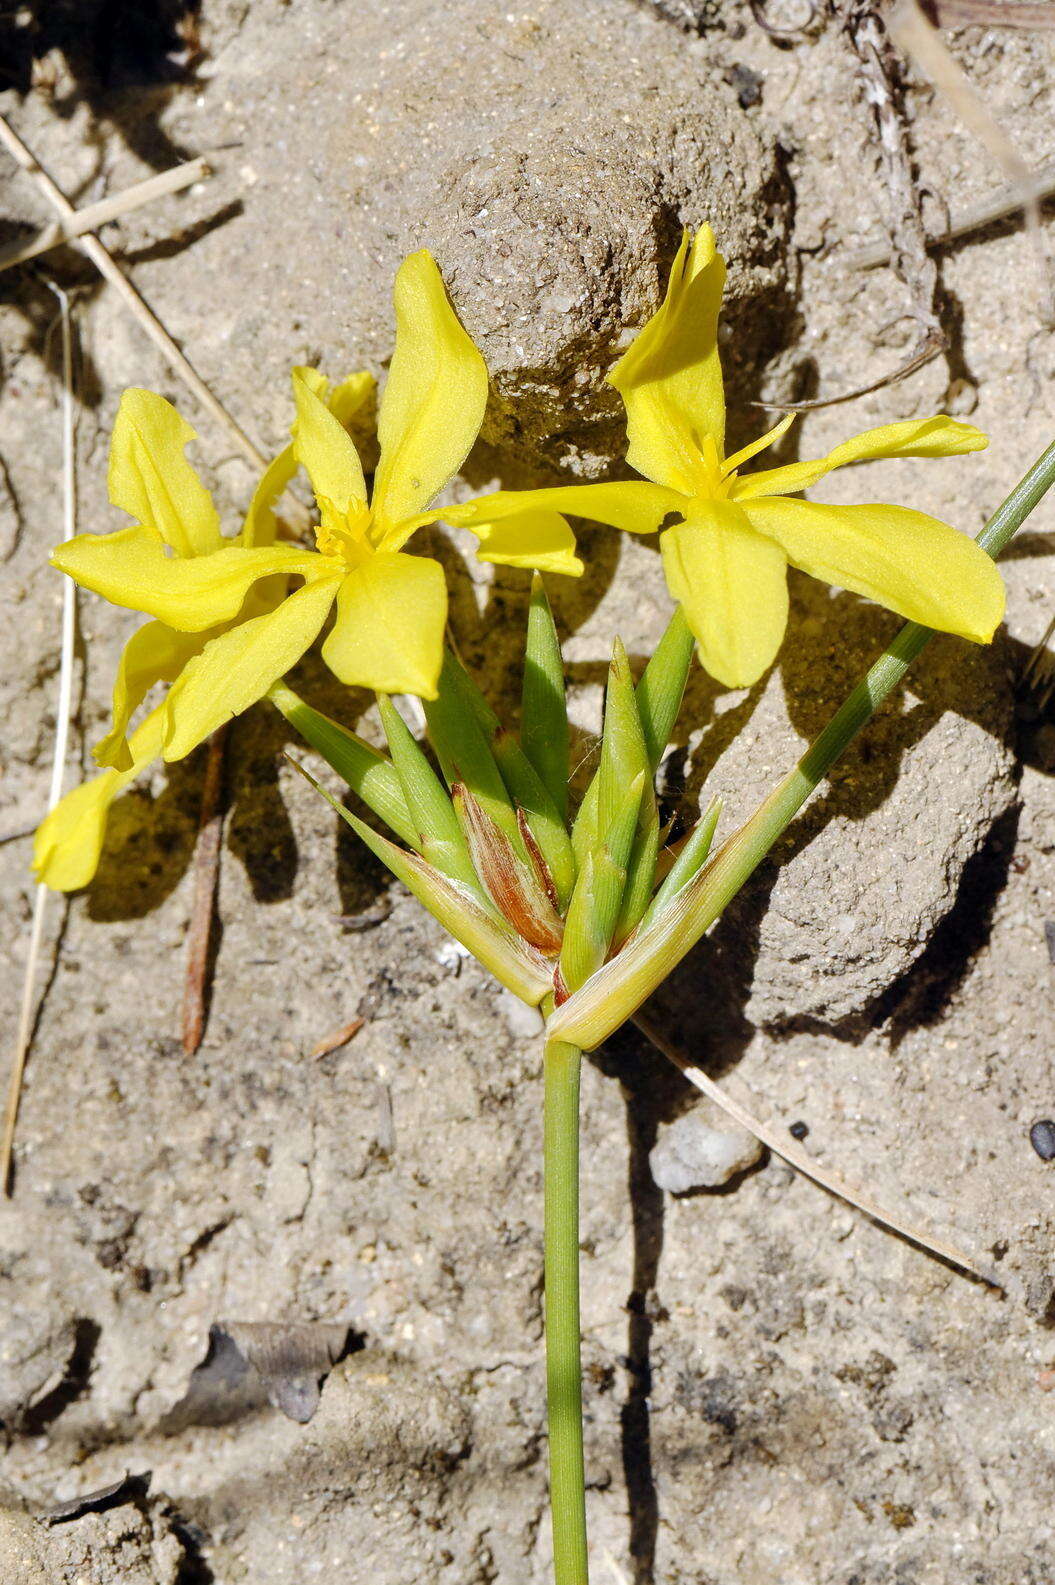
(345,536)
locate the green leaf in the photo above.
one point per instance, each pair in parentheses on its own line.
(461,726)
(662,686)
(529,794)
(442,842)
(595,902)
(641,867)
(366,772)
(693,857)
(464,710)
(543,703)
(623,753)
(516,965)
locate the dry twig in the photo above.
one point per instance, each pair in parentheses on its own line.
(1031,14)
(206,880)
(903,217)
(922,42)
(798,1159)
(106,210)
(1000,206)
(94,250)
(28,1009)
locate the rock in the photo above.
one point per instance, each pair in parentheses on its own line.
(911,823)
(128,1545)
(553,213)
(35,1350)
(694,1154)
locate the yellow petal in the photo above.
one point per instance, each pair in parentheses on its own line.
(433,403)
(388,635)
(732,584)
(636,506)
(154,653)
(131,568)
(540,540)
(351,396)
(324,446)
(261,524)
(69,840)
(151,478)
(670,378)
(237,668)
(343,401)
(903,559)
(916,437)
(753,447)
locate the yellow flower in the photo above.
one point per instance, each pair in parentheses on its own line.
(151,478)
(391,606)
(225,627)
(726,560)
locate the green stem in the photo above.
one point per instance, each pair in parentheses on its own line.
(563,1365)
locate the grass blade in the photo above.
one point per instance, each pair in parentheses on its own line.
(516,965)
(441,840)
(461,726)
(543,704)
(369,774)
(693,857)
(662,686)
(598,893)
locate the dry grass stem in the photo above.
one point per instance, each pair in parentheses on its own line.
(295,514)
(203,909)
(925,46)
(775,1141)
(1002,204)
(64,711)
(95,215)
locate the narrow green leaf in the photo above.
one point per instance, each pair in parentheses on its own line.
(543,703)
(662,686)
(583,949)
(522,784)
(516,965)
(623,755)
(623,752)
(460,735)
(595,902)
(367,772)
(526,788)
(442,842)
(659,695)
(584,831)
(641,868)
(693,857)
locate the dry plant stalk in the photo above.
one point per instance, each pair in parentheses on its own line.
(206,880)
(104,263)
(28,1008)
(773,1140)
(925,46)
(107,209)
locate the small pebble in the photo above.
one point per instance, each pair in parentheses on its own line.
(799,1130)
(692,1155)
(1042,1138)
